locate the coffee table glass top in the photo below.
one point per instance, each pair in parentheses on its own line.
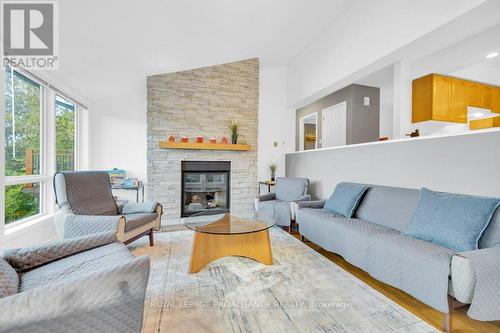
(224,223)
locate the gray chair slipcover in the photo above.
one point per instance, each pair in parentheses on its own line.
(277,205)
(83,284)
(87,207)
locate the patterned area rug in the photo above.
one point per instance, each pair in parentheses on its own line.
(301,292)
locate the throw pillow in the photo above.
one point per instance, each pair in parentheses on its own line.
(346,199)
(455,221)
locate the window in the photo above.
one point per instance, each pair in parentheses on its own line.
(23,100)
(41,127)
(21,201)
(65,134)
(23,132)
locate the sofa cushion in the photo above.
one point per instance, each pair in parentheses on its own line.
(346,198)
(392,207)
(9,280)
(455,221)
(134,221)
(76,266)
(418,267)
(290,189)
(348,237)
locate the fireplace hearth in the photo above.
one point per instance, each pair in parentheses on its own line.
(205,186)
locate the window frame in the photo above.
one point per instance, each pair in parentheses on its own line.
(76,134)
(47,160)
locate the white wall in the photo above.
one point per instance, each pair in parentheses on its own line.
(118,133)
(460,163)
(367,32)
(276,122)
(480,73)
(386,110)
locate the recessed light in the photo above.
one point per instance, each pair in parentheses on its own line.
(492,55)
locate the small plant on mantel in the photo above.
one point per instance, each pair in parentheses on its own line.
(273,168)
(235,128)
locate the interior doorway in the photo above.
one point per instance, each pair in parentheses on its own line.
(308,132)
(334,125)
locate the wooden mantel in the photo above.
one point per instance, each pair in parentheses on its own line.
(204,146)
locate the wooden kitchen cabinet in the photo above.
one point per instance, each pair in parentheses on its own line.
(458,108)
(495,100)
(473,98)
(442,98)
(485,97)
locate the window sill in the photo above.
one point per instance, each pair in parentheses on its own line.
(25,226)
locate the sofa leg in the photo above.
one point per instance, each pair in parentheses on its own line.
(302,238)
(448,317)
(151,239)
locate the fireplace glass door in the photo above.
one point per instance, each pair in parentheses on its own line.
(205,191)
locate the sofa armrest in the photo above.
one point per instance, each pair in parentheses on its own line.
(485,304)
(139,207)
(266,197)
(111,300)
(82,225)
(305,197)
(315,204)
(27,258)
(263,197)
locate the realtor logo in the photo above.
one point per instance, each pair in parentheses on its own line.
(30,34)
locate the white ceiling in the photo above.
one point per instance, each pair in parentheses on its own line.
(109,47)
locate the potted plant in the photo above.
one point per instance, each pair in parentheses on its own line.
(273,168)
(235,128)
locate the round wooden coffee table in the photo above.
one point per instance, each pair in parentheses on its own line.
(221,234)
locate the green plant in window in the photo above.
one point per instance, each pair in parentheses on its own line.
(19,203)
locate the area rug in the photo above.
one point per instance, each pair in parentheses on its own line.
(301,292)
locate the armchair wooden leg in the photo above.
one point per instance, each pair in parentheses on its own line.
(151,239)
(302,238)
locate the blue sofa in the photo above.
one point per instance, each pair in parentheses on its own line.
(373,241)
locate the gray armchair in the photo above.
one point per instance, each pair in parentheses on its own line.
(83,284)
(87,207)
(278,205)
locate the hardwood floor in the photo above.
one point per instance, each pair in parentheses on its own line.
(461,323)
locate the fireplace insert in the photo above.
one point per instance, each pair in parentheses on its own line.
(205,186)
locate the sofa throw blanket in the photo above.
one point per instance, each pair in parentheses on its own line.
(486,301)
(89,193)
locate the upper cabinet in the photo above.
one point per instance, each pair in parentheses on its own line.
(495,99)
(443,98)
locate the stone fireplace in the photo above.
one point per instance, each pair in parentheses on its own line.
(202,102)
(205,186)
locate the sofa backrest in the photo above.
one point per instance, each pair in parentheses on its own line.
(394,207)
(86,192)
